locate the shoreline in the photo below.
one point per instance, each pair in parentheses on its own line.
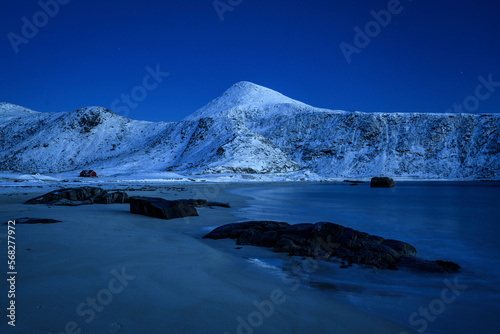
(187,282)
(14,179)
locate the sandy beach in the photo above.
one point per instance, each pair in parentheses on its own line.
(105,270)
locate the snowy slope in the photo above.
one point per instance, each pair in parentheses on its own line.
(52,142)
(253,129)
(95,137)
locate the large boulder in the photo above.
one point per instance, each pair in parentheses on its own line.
(382,182)
(161,208)
(79,196)
(332,242)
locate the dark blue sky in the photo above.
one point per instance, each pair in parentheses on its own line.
(427,58)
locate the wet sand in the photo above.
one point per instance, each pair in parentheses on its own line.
(105,270)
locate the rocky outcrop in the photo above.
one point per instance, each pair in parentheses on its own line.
(36,221)
(382,182)
(332,242)
(261,233)
(161,208)
(111,198)
(80,196)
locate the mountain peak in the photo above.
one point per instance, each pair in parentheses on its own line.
(243,88)
(243,94)
(10,109)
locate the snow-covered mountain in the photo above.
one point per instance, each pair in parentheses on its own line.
(253,129)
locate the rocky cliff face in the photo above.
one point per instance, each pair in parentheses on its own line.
(252,129)
(401,145)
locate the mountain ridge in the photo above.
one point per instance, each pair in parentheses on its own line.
(251,129)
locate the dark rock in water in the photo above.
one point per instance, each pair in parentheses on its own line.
(415,264)
(299,233)
(402,248)
(80,196)
(35,221)
(223,205)
(258,233)
(161,208)
(354,182)
(328,241)
(237,230)
(448,266)
(382,182)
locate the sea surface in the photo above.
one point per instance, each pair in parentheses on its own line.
(455,221)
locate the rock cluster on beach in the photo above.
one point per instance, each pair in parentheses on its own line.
(80,196)
(148,206)
(165,209)
(333,242)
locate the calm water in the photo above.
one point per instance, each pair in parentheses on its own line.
(457,221)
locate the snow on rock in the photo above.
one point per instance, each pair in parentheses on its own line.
(254,130)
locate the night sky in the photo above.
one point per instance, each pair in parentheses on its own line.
(424,56)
